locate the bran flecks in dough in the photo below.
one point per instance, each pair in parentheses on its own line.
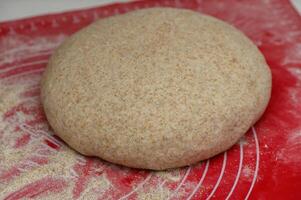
(155,88)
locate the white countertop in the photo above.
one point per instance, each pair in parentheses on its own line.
(16,9)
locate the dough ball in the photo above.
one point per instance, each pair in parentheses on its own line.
(156,88)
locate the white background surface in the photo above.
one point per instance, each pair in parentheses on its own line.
(16,9)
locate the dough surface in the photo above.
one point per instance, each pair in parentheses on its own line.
(155,88)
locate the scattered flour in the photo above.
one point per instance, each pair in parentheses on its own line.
(96,185)
(17,47)
(154,194)
(291,153)
(9,97)
(170,175)
(58,164)
(247,171)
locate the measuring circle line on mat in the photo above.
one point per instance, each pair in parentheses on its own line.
(136,188)
(181,183)
(241,157)
(201,181)
(257,163)
(220,176)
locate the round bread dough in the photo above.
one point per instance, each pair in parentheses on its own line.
(155,88)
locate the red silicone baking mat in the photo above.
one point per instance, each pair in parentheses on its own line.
(264,164)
